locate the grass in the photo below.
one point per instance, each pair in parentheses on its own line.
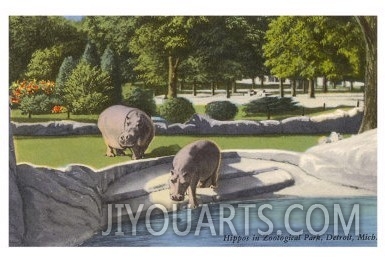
(18,117)
(89,150)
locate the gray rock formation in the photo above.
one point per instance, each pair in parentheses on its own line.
(60,208)
(16,220)
(351,161)
(346,122)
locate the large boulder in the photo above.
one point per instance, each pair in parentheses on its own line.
(60,208)
(16,219)
(351,161)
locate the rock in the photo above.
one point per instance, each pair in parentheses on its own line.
(351,161)
(297,125)
(60,208)
(16,219)
(55,128)
(334,137)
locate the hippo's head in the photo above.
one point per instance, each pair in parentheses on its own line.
(132,130)
(179,182)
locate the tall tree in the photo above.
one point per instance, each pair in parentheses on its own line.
(114,32)
(163,42)
(90,54)
(108,63)
(65,71)
(368,26)
(306,47)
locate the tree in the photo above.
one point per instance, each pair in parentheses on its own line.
(109,65)
(114,32)
(306,47)
(65,70)
(90,54)
(163,42)
(368,26)
(30,33)
(88,91)
(45,64)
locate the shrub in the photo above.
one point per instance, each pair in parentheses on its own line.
(88,90)
(34,97)
(140,98)
(177,110)
(270,105)
(221,110)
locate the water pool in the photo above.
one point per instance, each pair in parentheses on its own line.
(274,222)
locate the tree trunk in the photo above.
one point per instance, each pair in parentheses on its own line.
(305,86)
(68,114)
(181,85)
(324,85)
(351,86)
(194,88)
(212,88)
(233,87)
(228,89)
(29,115)
(368,26)
(252,83)
(262,80)
(293,88)
(311,88)
(281,89)
(172,76)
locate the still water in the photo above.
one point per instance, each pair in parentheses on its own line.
(276,222)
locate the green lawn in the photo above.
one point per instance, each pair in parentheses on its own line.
(18,117)
(89,150)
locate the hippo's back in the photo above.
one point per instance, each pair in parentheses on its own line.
(201,155)
(111,123)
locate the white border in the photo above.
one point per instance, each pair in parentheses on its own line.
(180,7)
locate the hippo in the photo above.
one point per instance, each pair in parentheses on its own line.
(124,127)
(195,165)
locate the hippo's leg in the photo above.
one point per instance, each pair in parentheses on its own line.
(137,153)
(214,180)
(120,152)
(192,193)
(205,182)
(110,151)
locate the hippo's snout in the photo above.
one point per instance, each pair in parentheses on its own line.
(126,140)
(177,197)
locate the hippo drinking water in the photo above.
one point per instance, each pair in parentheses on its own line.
(124,127)
(195,165)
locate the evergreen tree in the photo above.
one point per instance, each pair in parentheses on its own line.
(65,70)
(108,64)
(90,55)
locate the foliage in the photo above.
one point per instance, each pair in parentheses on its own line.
(109,64)
(162,43)
(65,70)
(221,110)
(45,64)
(90,55)
(88,90)
(309,46)
(27,34)
(34,97)
(271,105)
(177,110)
(142,99)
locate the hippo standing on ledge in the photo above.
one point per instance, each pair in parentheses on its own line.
(124,127)
(195,165)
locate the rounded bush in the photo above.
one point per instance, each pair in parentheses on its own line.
(177,110)
(142,99)
(221,110)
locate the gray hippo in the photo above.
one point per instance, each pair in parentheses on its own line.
(195,165)
(124,127)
